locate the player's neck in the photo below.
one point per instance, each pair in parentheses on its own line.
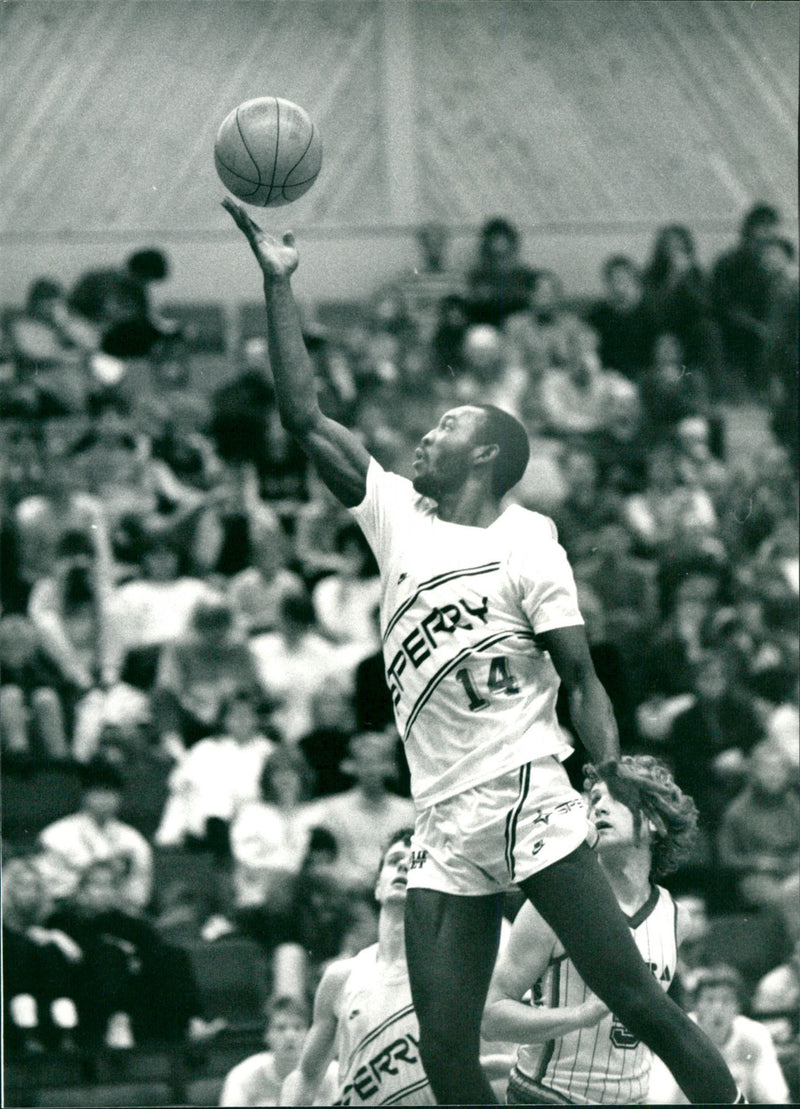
(392,934)
(628,873)
(471,505)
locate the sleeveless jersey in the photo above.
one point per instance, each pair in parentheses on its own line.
(605,1064)
(378,1038)
(474,696)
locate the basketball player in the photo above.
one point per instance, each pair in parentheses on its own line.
(480,622)
(573,1050)
(363,1011)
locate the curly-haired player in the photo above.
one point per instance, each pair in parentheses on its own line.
(573,1050)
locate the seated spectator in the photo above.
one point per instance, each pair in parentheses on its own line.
(363,817)
(573,394)
(38,966)
(270,835)
(131,987)
(372,699)
(619,445)
(72,845)
(621,320)
(447,343)
(677,299)
(586,507)
(317,524)
(499,284)
(759,836)
(294,661)
(490,373)
(215,779)
(333,725)
(256,593)
(669,390)
(745,1046)
(31,709)
(258,1079)
(179,439)
(666,505)
(696,465)
(549,327)
(344,600)
(234,520)
(147,612)
(776,1003)
(624,584)
(197,672)
(740,293)
(708,742)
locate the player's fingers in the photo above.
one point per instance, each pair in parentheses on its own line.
(240,217)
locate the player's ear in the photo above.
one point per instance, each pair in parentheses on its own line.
(485,453)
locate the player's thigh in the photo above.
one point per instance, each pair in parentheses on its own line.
(574,897)
(451,947)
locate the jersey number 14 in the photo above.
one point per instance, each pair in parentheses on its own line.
(500,680)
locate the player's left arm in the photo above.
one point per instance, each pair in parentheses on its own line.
(589,704)
(523,961)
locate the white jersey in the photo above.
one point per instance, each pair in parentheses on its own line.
(378,1045)
(461,608)
(604,1064)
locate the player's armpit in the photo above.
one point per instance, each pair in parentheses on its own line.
(339,457)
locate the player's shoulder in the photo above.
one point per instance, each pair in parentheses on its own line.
(527,522)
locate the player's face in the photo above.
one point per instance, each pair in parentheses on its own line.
(393,877)
(612,819)
(285,1037)
(442,460)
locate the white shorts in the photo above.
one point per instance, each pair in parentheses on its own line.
(498,833)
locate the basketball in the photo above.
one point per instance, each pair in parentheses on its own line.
(268,152)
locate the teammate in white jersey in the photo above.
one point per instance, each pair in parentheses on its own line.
(573,1049)
(480,623)
(363,1011)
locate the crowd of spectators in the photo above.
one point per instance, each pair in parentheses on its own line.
(180,592)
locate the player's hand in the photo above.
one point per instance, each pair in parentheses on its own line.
(592,1011)
(277,257)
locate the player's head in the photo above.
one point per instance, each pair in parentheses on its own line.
(472,440)
(716,1001)
(390,886)
(287,1024)
(659,815)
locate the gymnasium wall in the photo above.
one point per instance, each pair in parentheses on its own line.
(588,122)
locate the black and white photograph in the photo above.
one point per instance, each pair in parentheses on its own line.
(399,557)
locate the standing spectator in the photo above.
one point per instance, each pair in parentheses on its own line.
(363,816)
(740,291)
(499,283)
(759,836)
(677,299)
(72,845)
(745,1046)
(621,320)
(257,1080)
(781,358)
(197,672)
(216,778)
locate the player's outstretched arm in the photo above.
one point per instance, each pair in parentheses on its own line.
(522,962)
(339,456)
(301,1086)
(589,704)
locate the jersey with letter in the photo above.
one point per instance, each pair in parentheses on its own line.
(461,607)
(604,1064)
(378,1045)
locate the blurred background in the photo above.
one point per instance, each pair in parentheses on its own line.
(582,210)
